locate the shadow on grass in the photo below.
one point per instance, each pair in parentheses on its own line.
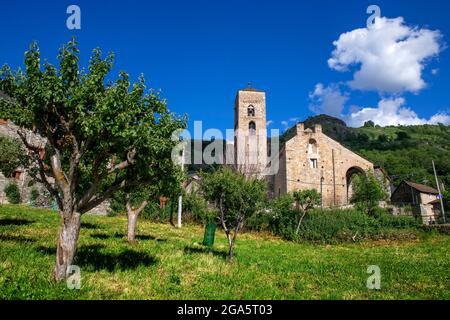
(93,258)
(90,226)
(18,239)
(46,250)
(217,253)
(104,236)
(15,222)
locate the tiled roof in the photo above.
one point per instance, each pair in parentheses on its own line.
(422,188)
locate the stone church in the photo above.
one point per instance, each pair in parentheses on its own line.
(308,159)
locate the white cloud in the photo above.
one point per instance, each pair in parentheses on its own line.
(392,112)
(269,123)
(389,57)
(329,100)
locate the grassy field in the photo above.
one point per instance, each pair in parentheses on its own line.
(168,263)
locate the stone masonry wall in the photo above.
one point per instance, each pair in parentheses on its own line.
(315,161)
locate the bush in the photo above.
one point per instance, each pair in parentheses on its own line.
(351,225)
(334,226)
(367,193)
(12,193)
(282,217)
(34,195)
(195,209)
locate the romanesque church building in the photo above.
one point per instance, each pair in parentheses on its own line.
(308,159)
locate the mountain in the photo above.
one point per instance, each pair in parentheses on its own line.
(405,152)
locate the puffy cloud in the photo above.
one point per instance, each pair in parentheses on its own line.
(329,100)
(389,57)
(392,112)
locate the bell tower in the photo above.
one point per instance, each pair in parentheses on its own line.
(250,132)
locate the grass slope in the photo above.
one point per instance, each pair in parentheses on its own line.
(168,263)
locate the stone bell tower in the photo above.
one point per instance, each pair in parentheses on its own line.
(250,139)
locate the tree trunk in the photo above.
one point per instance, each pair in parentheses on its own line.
(133,215)
(67,245)
(132,219)
(231,247)
(300,222)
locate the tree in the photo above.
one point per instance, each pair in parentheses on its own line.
(235,197)
(305,200)
(367,192)
(98,136)
(165,181)
(12,155)
(283,216)
(12,192)
(446,195)
(369,124)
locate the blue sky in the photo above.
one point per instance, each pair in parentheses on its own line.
(199,53)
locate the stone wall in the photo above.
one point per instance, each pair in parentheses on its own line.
(25,181)
(315,161)
(250,149)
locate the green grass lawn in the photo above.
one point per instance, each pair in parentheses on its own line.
(170,263)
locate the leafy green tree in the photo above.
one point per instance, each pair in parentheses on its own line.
(12,192)
(164,179)
(196,208)
(12,155)
(283,216)
(99,137)
(446,195)
(367,192)
(235,197)
(382,138)
(305,200)
(402,135)
(369,124)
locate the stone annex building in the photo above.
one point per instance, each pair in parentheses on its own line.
(308,159)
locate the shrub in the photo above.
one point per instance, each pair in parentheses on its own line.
(235,198)
(34,195)
(195,209)
(282,217)
(12,193)
(154,213)
(351,225)
(334,226)
(368,192)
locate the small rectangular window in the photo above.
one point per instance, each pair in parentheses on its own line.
(313,163)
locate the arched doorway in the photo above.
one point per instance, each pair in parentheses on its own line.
(350,175)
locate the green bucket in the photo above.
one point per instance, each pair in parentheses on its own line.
(210,232)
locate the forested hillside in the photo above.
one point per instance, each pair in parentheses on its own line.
(406,152)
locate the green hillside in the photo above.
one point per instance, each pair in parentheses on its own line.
(406,152)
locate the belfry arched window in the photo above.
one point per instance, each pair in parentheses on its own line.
(251,111)
(252,128)
(312,146)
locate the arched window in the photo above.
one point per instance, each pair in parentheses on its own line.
(252,128)
(251,111)
(312,146)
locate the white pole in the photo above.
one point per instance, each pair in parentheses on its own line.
(180,198)
(180,203)
(440,194)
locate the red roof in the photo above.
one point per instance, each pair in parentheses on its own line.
(421,187)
